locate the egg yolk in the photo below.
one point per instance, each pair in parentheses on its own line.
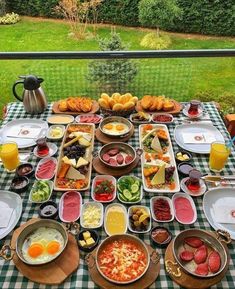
(53,247)
(108,126)
(35,250)
(120,127)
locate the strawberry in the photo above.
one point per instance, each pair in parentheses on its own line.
(186,255)
(202,269)
(194,242)
(200,254)
(214,261)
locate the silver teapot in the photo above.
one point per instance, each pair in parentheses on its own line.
(34,98)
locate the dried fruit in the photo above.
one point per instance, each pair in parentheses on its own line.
(194,242)
(214,261)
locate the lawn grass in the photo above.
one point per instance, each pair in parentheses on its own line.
(178,78)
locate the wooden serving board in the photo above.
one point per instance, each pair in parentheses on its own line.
(102,169)
(53,273)
(189,281)
(149,277)
(105,139)
(95,108)
(175,111)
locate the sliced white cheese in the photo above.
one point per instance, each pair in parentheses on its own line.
(159,177)
(81,162)
(80,134)
(155,145)
(73,162)
(83,142)
(66,160)
(148,134)
(74,174)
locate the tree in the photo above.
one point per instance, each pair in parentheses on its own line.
(157,14)
(112,75)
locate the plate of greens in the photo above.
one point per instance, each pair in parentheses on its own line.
(129,190)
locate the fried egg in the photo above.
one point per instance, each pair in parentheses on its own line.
(42,245)
(115,128)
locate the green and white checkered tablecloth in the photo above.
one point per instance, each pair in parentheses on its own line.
(11,278)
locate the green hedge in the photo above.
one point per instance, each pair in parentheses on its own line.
(215,17)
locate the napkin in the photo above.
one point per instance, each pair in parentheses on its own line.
(5,216)
(224,211)
(25,131)
(198,138)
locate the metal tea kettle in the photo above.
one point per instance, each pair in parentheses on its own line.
(34,98)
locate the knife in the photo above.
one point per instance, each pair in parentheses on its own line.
(210,178)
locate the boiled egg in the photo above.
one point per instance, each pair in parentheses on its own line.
(42,245)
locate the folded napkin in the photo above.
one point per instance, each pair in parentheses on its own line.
(198,138)
(25,131)
(5,216)
(224,210)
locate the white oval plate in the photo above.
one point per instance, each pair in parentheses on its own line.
(54,126)
(96,204)
(50,183)
(105,216)
(60,116)
(8,132)
(196,128)
(52,151)
(61,204)
(129,222)
(171,209)
(209,199)
(14,201)
(42,161)
(103,177)
(186,196)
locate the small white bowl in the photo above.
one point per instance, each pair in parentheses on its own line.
(96,204)
(62,127)
(105,216)
(140,122)
(153,199)
(41,162)
(52,151)
(203,188)
(61,206)
(186,196)
(50,183)
(103,177)
(141,191)
(129,222)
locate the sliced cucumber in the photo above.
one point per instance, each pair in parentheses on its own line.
(127,194)
(134,188)
(122,197)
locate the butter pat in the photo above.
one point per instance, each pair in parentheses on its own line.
(82,243)
(86,235)
(90,241)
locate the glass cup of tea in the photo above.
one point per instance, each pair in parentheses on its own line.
(194,108)
(193,182)
(42,147)
(219,154)
(9,155)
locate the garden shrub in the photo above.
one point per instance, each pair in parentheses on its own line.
(9,18)
(2,7)
(150,40)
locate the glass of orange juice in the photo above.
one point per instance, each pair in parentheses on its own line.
(218,156)
(9,155)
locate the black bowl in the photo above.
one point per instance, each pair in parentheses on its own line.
(184,169)
(19,184)
(164,243)
(183,152)
(94,235)
(21,170)
(48,210)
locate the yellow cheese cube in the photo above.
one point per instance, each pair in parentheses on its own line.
(90,241)
(86,235)
(82,243)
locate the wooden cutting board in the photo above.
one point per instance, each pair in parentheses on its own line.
(175,111)
(189,281)
(149,277)
(55,272)
(104,139)
(55,109)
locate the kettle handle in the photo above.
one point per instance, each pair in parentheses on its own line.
(14,89)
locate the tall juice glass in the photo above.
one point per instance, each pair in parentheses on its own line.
(10,156)
(218,156)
